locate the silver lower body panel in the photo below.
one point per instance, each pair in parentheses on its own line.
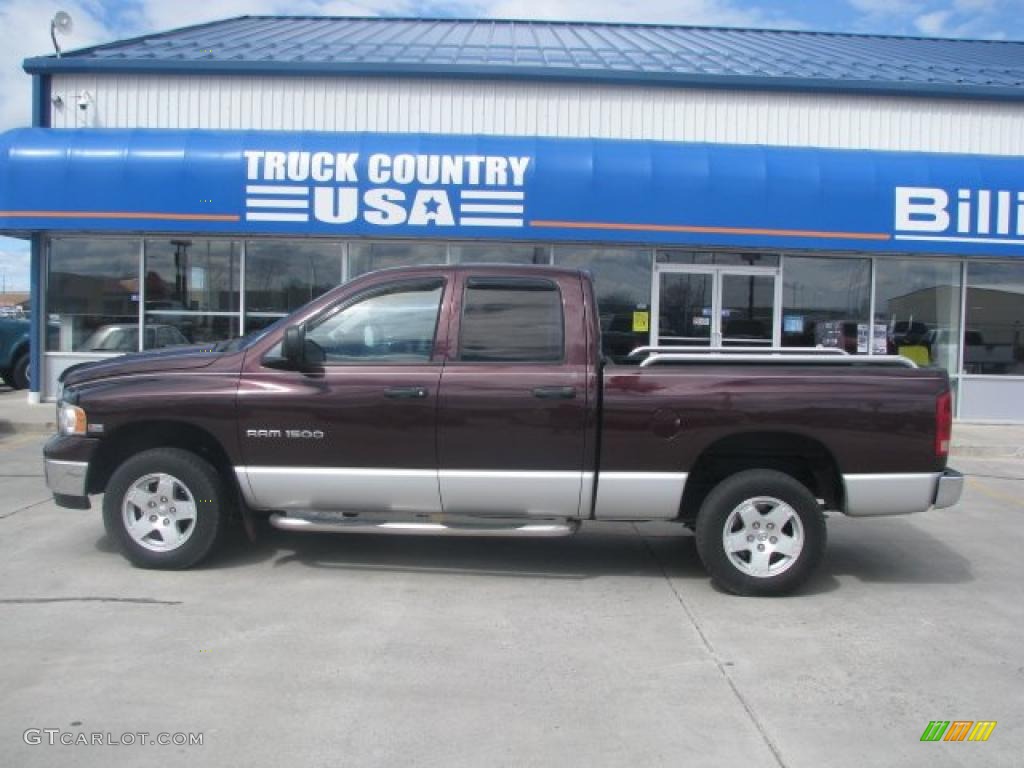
(639,495)
(66,478)
(527,493)
(335,488)
(901,493)
(479,493)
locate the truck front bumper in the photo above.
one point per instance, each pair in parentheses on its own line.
(66,466)
(66,477)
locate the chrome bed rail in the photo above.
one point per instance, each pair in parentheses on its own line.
(777,355)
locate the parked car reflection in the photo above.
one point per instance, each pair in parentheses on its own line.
(125,338)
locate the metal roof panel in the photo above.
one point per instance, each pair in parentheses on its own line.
(693,56)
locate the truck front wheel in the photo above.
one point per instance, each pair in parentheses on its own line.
(760,532)
(165,507)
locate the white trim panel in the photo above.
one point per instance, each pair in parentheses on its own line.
(890,494)
(995,398)
(525,108)
(639,495)
(340,489)
(528,493)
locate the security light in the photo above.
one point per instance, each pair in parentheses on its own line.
(61,22)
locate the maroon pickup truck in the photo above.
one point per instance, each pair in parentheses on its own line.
(476,401)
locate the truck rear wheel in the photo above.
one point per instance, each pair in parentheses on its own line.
(760,532)
(166,508)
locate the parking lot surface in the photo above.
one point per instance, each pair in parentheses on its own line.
(610,648)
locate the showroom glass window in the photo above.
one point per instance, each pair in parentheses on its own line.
(500,253)
(917,306)
(718,258)
(994,330)
(827,302)
(192,290)
(92,295)
(369,257)
(622,281)
(282,275)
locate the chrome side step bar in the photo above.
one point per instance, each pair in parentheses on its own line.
(524,529)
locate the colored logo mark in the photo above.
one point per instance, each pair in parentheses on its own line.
(958,730)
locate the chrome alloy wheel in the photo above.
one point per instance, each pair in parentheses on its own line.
(159,512)
(763,537)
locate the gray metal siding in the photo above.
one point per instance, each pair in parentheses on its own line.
(541,109)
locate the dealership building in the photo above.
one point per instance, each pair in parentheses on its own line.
(724,187)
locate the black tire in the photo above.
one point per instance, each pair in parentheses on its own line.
(786,558)
(190,477)
(19,373)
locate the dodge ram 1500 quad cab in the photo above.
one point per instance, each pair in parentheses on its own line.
(475,401)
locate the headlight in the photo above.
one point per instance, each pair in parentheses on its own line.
(71,420)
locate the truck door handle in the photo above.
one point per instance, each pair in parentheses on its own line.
(555,393)
(406,393)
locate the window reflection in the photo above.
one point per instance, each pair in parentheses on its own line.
(994,335)
(170,329)
(622,281)
(184,274)
(187,281)
(917,302)
(124,337)
(500,253)
(369,257)
(283,275)
(92,283)
(827,302)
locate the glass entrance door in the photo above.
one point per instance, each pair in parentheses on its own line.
(715,307)
(683,318)
(747,312)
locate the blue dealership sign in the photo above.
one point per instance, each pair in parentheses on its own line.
(509,188)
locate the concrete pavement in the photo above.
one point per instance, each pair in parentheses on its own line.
(610,648)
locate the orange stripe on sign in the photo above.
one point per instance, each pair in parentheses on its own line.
(710,230)
(119,215)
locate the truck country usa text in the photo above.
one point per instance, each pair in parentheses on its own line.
(414,190)
(960,216)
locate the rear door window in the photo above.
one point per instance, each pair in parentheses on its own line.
(512,320)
